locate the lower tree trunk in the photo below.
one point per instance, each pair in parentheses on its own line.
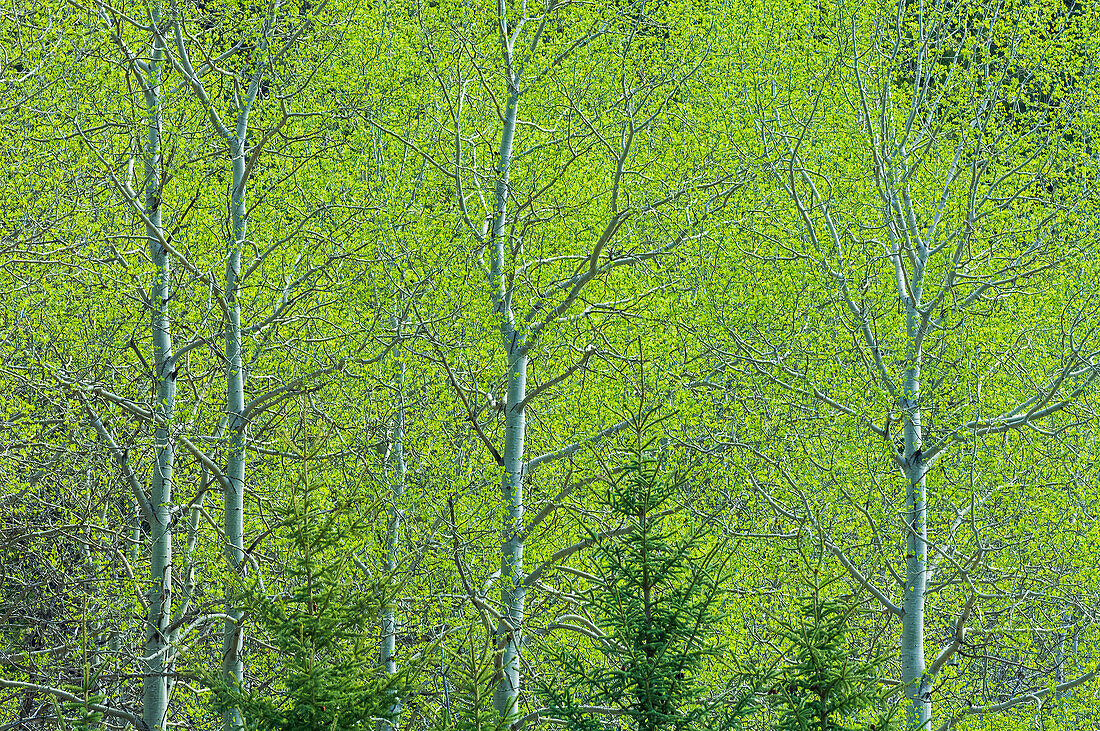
(917,686)
(397,489)
(512,591)
(916,682)
(232,637)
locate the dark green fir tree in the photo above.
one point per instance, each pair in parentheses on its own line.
(319,614)
(822,682)
(655,603)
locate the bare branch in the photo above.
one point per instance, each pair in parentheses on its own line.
(64,695)
(531,395)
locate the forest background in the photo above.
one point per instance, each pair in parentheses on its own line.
(637,364)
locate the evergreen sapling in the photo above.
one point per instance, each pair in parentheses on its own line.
(655,601)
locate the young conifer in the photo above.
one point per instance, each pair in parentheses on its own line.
(821,683)
(655,601)
(322,623)
(467,678)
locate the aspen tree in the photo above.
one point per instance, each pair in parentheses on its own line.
(521,134)
(965,201)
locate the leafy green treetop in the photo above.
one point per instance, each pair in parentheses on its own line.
(655,603)
(322,625)
(820,685)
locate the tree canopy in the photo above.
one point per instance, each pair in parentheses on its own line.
(650,364)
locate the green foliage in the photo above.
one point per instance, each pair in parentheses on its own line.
(84,718)
(819,682)
(466,691)
(374,152)
(655,601)
(322,624)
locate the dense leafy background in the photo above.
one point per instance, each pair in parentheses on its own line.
(714,217)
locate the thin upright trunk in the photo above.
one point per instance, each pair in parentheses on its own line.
(232,640)
(917,682)
(157,650)
(512,591)
(232,670)
(513,594)
(388,655)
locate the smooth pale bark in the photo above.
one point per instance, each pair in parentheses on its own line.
(512,591)
(388,653)
(513,587)
(157,668)
(917,683)
(233,637)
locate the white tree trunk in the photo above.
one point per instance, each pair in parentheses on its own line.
(232,639)
(917,683)
(512,591)
(388,655)
(157,651)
